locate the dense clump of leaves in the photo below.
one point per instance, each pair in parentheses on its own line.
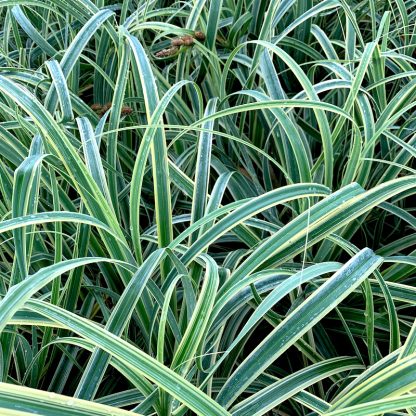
(206,207)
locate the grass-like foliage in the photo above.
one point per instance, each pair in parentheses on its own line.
(206,207)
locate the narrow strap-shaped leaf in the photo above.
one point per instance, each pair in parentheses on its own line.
(140,167)
(134,358)
(19,293)
(396,379)
(311,311)
(199,320)
(138,381)
(116,106)
(26,177)
(215,198)
(59,142)
(312,95)
(214,12)
(27,401)
(73,52)
(62,91)
(28,27)
(345,204)
(377,407)
(281,390)
(52,216)
(158,145)
(297,145)
(269,301)
(409,347)
(203,162)
(119,318)
(92,155)
(318,8)
(249,209)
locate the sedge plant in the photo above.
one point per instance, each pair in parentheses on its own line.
(206,207)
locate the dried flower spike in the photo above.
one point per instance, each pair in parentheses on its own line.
(167,52)
(199,36)
(176,42)
(125,111)
(106,106)
(187,40)
(96,107)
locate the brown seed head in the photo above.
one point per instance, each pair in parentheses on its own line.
(199,36)
(96,107)
(188,40)
(164,53)
(177,42)
(106,106)
(125,111)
